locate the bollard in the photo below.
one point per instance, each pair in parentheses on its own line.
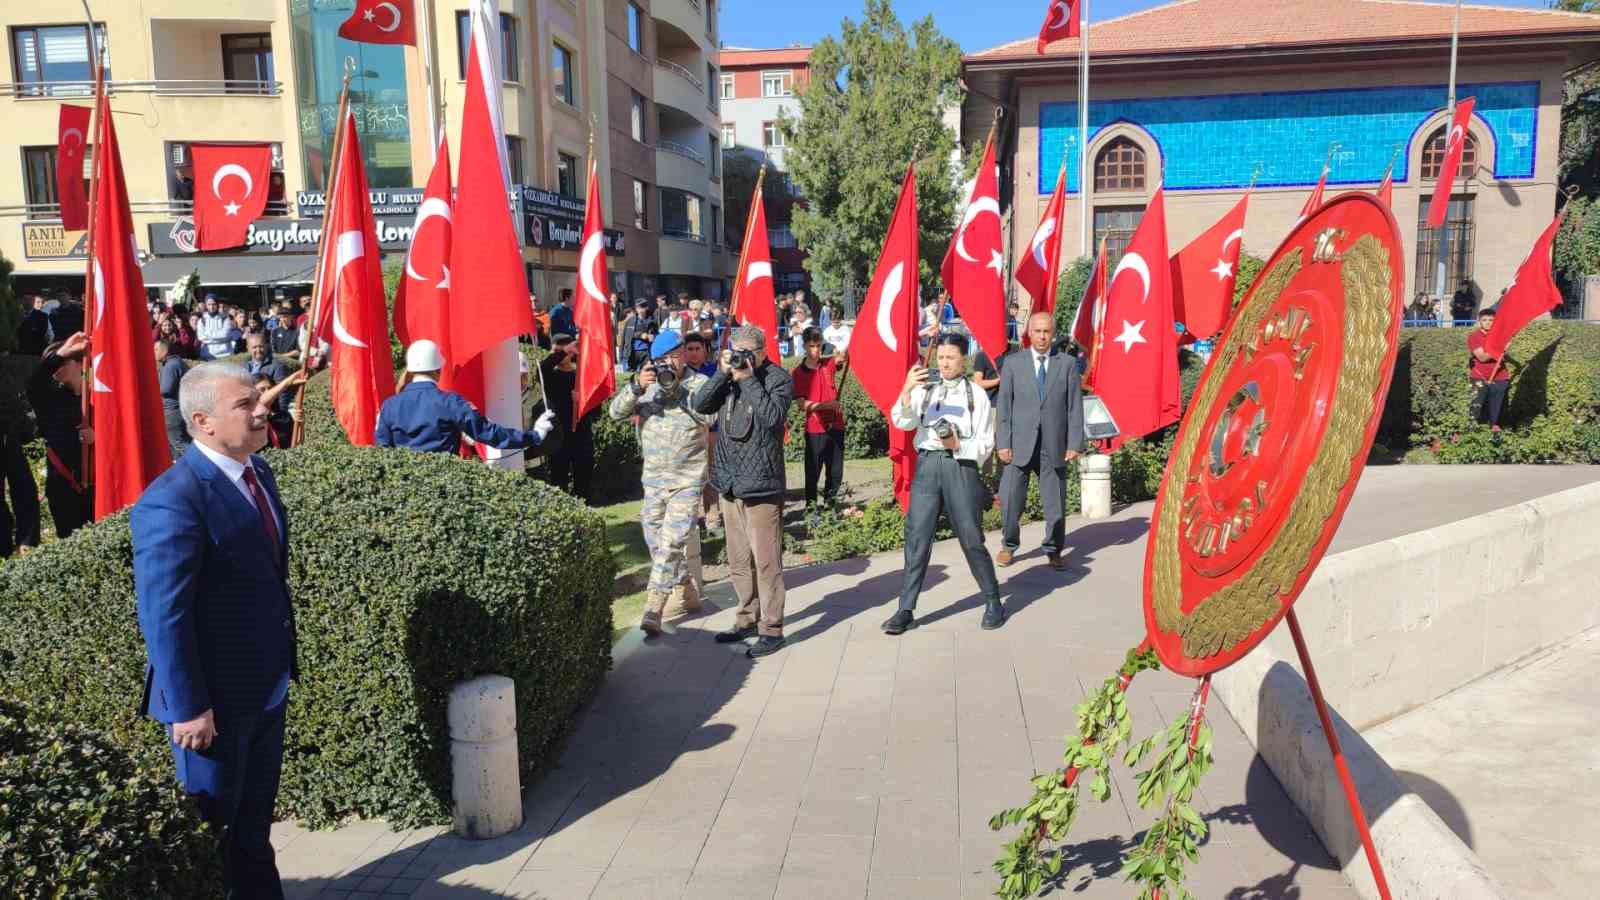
(1096,486)
(486,785)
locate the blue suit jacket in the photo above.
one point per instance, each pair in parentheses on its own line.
(213,599)
(423,418)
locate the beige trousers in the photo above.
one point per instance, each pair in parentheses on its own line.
(755,561)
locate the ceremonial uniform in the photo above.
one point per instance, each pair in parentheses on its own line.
(426,419)
(60,414)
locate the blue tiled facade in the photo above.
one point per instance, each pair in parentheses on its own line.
(1217,141)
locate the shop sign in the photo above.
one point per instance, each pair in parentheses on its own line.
(44,240)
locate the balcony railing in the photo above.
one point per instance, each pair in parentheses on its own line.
(173,87)
(51,212)
(681,150)
(681,72)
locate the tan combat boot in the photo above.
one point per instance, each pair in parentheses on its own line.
(655,602)
(685,599)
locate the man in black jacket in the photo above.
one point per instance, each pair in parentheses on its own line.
(169,373)
(750,398)
(55,393)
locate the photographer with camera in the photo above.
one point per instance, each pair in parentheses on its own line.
(955,434)
(750,397)
(672,440)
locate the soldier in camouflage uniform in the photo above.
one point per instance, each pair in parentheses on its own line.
(672,440)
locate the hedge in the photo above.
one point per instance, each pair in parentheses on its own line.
(82,817)
(409,572)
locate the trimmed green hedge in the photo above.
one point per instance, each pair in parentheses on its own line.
(409,572)
(81,817)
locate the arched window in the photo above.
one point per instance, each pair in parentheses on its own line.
(1433,153)
(1119,167)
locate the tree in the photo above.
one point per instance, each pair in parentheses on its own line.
(1580,117)
(740,168)
(875,101)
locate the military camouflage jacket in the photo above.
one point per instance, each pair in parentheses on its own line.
(672,437)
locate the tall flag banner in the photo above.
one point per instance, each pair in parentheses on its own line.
(1457,140)
(1136,369)
(883,346)
(1385,190)
(1060,21)
(230,191)
(1086,319)
(130,441)
(1532,293)
(363,374)
(1313,202)
(1203,275)
(72,140)
(381,22)
(597,376)
(974,266)
(1039,272)
(754,302)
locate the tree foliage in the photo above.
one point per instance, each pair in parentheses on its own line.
(740,169)
(1580,116)
(876,100)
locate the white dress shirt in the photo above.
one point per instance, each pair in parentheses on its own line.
(234,470)
(938,400)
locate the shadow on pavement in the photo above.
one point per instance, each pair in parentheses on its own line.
(1443,803)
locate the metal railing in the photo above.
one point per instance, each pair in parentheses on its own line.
(681,150)
(682,234)
(46,213)
(170,87)
(681,72)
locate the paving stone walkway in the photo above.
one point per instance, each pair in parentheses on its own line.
(857,765)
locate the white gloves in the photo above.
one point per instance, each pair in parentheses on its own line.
(545,425)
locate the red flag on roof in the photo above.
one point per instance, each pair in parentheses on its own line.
(1060,21)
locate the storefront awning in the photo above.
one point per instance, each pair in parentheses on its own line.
(253,270)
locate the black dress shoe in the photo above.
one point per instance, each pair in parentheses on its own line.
(994,615)
(765,645)
(899,623)
(735,635)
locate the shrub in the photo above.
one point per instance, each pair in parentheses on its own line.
(409,572)
(866,431)
(81,817)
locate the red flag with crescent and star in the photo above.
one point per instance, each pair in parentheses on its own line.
(1203,275)
(1086,318)
(1039,272)
(597,376)
(974,266)
(381,22)
(130,442)
(1136,363)
(883,346)
(363,374)
(230,192)
(753,300)
(1457,140)
(1060,21)
(72,140)
(1531,294)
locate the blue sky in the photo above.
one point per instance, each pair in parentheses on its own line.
(976,24)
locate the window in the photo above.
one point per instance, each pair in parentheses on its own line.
(1115,224)
(716,225)
(514,158)
(680,215)
(1119,167)
(641,209)
(247,58)
(58,53)
(567,174)
(712,82)
(39,180)
(780,237)
(1433,153)
(790,281)
(774,84)
(728,134)
(561,76)
(771,135)
(636,113)
(727,87)
(635,29)
(508,44)
(715,157)
(1458,234)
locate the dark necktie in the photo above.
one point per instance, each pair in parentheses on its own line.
(1041,379)
(269,522)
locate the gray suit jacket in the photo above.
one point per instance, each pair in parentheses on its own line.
(1055,425)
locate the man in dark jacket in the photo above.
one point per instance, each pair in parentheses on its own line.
(170,371)
(55,393)
(638,330)
(571,460)
(429,420)
(750,397)
(33,332)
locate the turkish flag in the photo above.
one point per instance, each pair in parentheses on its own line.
(1136,368)
(1459,124)
(1040,271)
(1385,190)
(1060,21)
(753,299)
(883,346)
(230,191)
(1203,275)
(974,266)
(1086,319)
(1531,294)
(381,22)
(490,303)
(130,446)
(72,137)
(1313,202)
(597,375)
(363,373)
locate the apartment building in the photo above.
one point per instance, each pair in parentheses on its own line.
(757,87)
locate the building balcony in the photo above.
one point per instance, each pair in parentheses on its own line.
(685,16)
(679,167)
(166,87)
(686,255)
(673,87)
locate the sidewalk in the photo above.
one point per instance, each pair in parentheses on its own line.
(853,764)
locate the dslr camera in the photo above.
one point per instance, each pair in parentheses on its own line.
(666,377)
(945,429)
(743,359)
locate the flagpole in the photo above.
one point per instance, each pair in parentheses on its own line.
(1083,129)
(1098,312)
(428,76)
(86,389)
(1450,103)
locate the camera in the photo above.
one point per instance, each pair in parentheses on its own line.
(666,377)
(743,359)
(944,429)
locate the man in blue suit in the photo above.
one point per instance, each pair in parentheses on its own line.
(424,418)
(210,557)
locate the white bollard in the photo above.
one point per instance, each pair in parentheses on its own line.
(486,785)
(1095,486)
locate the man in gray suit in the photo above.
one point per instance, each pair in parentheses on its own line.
(1040,431)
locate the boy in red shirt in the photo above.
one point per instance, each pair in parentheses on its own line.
(1490,379)
(816,389)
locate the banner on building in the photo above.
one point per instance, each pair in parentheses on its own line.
(43,240)
(273,236)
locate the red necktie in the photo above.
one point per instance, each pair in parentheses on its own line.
(269,522)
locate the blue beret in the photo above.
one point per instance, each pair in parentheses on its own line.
(665,342)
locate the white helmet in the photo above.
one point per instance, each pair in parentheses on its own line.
(424,356)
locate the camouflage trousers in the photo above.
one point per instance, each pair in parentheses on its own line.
(668,518)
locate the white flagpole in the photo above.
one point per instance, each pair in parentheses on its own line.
(1444,227)
(1083,128)
(424,9)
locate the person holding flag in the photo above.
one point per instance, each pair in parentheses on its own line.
(1531,294)
(55,392)
(428,419)
(1490,377)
